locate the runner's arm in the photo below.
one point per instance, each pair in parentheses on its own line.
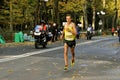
(73,31)
(62,35)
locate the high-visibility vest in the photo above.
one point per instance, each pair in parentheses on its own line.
(43,28)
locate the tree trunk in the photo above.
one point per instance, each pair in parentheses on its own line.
(37,12)
(11,17)
(116,13)
(55,11)
(93,21)
(85,14)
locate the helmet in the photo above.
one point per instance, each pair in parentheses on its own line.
(42,21)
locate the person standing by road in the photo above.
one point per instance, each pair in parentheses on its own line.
(113,30)
(69,35)
(78,27)
(119,33)
(89,32)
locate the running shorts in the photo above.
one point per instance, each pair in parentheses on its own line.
(71,44)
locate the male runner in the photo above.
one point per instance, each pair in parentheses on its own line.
(69,35)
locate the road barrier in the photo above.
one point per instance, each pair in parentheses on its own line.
(2,40)
(19,37)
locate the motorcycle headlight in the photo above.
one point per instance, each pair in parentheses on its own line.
(37,33)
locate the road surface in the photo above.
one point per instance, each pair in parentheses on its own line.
(96,59)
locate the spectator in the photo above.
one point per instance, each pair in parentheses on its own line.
(112,31)
(78,27)
(54,30)
(119,33)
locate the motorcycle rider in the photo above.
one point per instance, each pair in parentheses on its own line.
(89,31)
(41,40)
(41,26)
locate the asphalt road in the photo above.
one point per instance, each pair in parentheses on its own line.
(96,59)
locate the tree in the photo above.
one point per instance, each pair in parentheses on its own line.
(17,12)
(22,12)
(73,7)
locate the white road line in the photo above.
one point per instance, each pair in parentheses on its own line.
(43,51)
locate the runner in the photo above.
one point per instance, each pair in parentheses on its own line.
(69,35)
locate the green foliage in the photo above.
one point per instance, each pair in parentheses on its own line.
(72,6)
(23,10)
(110,6)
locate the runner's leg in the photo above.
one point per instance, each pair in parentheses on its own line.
(73,54)
(66,54)
(119,38)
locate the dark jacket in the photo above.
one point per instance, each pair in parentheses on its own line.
(119,32)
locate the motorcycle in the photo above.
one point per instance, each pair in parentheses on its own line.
(89,35)
(40,39)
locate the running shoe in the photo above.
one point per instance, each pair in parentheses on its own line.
(72,63)
(66,68)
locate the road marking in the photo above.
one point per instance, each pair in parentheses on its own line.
(46,50)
